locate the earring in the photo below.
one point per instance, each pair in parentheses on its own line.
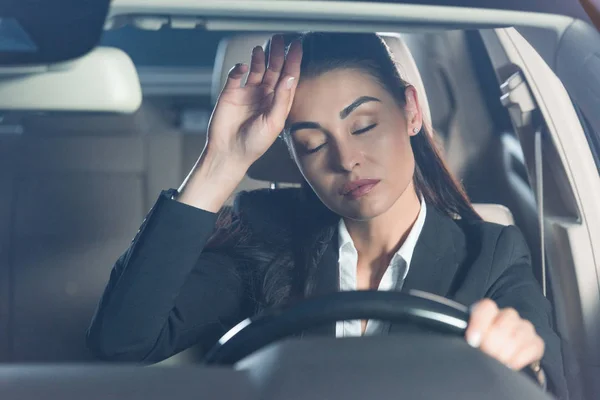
(416,130)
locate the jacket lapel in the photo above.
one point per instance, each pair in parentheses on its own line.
(323,278)
(435,260)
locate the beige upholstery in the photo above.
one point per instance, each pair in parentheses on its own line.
(408,70)
(495,213)
(104,80)
(75,189)
(233,50)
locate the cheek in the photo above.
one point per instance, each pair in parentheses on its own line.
(389,150)
(318,176)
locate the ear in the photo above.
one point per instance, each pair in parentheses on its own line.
(412,109)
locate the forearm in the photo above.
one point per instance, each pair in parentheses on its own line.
(212,180)
(146,294)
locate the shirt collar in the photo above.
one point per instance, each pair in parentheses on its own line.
(405,251)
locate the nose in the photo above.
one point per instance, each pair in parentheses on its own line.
(346,155)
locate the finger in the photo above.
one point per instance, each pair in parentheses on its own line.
(531,349)
(482,315)
(502,341)
(257,67)
(284,93)
(291,68)
(235,76)
(276,61)
(293,60)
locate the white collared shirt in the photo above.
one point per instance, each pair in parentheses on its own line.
(399,265)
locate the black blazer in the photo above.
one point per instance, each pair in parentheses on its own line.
(166,294)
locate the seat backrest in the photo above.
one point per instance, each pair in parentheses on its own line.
(495,213)
(74,192)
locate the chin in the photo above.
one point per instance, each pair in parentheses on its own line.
(364,209)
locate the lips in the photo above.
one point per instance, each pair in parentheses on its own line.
(358,188)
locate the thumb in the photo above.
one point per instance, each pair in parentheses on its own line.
(481,319)
(282,101)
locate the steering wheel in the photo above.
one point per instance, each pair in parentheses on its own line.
(431,311)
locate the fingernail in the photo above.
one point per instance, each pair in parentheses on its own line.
(474,339)
(255,50)
(290,82)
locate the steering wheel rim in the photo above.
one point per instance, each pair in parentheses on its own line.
(421,308)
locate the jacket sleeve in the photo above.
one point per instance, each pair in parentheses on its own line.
(165,293)
(512,284)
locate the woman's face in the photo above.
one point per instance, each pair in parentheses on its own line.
(351,141)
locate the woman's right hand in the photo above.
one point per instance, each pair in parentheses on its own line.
(247,119)
(244,124)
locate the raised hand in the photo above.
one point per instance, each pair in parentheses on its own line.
(247,119)
(245,122)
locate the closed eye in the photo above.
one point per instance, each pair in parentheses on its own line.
(311,151)
(365,129)
(357,132)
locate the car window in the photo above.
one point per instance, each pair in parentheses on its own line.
(166,47)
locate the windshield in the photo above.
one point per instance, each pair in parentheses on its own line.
(267,172)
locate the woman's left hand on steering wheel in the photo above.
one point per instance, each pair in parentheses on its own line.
(504,335)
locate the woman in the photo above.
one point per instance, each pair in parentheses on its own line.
(379,211)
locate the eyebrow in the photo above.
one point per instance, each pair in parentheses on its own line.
(303,125)
(343,115)
(355,104)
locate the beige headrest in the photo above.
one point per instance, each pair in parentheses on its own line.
(276,165)
(233,50)
(408,70)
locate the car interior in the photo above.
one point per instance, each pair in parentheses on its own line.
(80,229)
(76,185)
